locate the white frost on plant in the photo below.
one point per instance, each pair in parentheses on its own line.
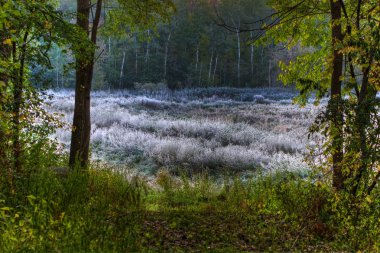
(195,128)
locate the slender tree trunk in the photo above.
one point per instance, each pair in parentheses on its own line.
(18,101)
(363,118)
(269,72)
(216,65)
(224,75)
(147,49)
(200,74)
(147,56)
(210,66)
(335,104)
(109,46)
(251,58)
(80,139)
(6,170)
(57,73)
(122,70)
(166,55)
(197,59)
(136,56)
(239,56)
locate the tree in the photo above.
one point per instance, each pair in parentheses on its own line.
(28,29)
(80,138)
(129,15)
(339,55)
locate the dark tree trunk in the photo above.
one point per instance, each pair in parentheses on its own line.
(5,54)
(335,104)
(18,101)
(363,120)
(80,139)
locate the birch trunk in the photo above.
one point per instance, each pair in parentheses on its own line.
(210,67)
(122,71)
(216,64)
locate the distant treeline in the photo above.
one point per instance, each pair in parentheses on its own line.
(190,51)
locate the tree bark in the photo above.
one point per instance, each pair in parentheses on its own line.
(335,104)
(80,139)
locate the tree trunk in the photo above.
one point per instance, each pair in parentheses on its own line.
(166,55)
(136,56)
(363,119)
(147,56)
(5,53)
(122,70)
(200,75)
(6,170)
(269,72)
(197,59)
(109,46)
(18,101)
(147,49)
(251,58)
(80,139)
(239,56)
(216,64)
(57,72)
(335,104)
(210,67)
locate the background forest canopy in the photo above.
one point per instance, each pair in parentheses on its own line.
(190,50)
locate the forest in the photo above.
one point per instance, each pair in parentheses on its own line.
(189,50)
(189,126)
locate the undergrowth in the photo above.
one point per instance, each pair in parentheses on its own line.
(107,211)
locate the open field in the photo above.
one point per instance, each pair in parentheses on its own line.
(214,129)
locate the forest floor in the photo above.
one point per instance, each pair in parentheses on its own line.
(103,211)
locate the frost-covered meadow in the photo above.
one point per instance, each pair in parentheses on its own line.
(216,129)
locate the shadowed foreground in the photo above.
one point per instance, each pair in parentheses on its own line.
(105,211)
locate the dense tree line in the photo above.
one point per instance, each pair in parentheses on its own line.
(190,50)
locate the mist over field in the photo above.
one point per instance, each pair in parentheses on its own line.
(218,129)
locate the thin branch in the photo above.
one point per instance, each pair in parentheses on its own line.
(100,54)
(358,14)
(374,183)
(344,9)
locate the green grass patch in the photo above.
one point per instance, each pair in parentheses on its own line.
(107,211)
